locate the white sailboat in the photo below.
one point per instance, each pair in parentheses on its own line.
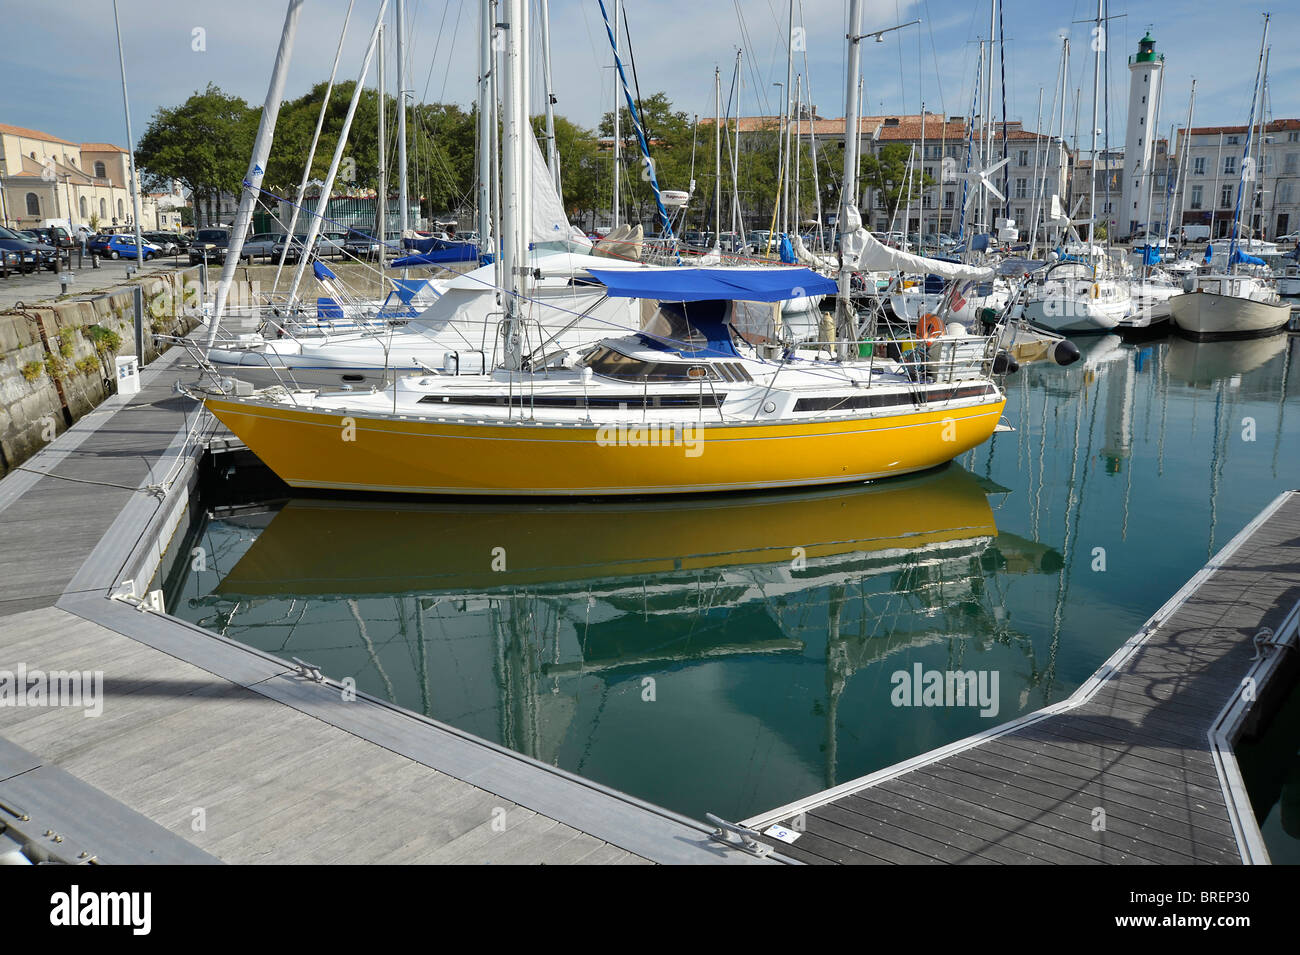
(1226,302)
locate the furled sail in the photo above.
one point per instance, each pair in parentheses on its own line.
(867,254)
(549,222)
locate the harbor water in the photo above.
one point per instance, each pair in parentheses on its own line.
(730,654)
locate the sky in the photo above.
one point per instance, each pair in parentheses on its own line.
(67,66)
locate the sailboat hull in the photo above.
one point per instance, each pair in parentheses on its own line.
(404,454)
(1208,316)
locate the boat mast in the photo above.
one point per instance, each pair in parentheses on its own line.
(403,199)
(1038,149)
(514,245)
(798,130)
(311,152)
(849,185)
(484,128)
(552,156)
(717,158)
(1250,127)
(986,207)
(739,222)
(256,165)
(322,204)
(1097,45)
(381,192)
(789,91)
(618,8)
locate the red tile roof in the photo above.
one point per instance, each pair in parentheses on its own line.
(32,134)
(102,148)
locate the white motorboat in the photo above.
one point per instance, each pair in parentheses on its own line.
(1221,306)
(1074,298)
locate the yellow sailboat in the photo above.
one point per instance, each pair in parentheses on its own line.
(687,405)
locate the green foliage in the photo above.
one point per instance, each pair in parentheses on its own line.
(203,143)
(88,366)
(33,369)
(439,137)
(887,174)
(105,340)
(54,366)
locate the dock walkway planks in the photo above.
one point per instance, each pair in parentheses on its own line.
(210,751)
(1146,741)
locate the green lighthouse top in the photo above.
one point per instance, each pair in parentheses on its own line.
(1146,52)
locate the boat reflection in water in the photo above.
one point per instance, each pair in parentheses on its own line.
(668,648)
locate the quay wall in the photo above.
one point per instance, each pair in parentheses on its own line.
(57,358)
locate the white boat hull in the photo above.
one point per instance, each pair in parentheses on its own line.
(1208,315)
(1068,314)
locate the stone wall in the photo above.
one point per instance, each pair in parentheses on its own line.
(57,359)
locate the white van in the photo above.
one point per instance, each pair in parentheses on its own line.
(1195,233)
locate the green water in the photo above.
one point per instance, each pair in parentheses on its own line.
(687,653)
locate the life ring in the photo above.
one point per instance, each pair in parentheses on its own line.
(929,328)
(1095,291)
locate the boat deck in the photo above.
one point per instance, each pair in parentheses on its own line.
(1135,767)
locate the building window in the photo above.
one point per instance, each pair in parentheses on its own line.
(120,214)
(1225,197)
(1284,193)
(1229,165)
(1198,166)
(1289,164)
(1022,188)
(82,204)
(103,206)
(34,204)
(102,173)
(947,199)
(1293,137)
(1197,193)
(1233,140)
(1023,158)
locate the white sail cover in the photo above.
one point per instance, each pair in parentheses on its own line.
(865,253)
(549,222)
(811,259)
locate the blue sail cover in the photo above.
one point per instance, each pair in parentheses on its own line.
(463,252)
(321,271)
(700,285)
(787,251)
(1241,258)
(1209,254)
(407,289)
(1151,255)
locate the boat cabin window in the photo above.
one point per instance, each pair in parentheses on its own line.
(609,363)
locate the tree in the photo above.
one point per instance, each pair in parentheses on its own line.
(887,174)
(204,144)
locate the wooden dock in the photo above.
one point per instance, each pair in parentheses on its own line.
(1135,767)
(210,751)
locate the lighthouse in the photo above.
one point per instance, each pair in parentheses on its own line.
(1146,72)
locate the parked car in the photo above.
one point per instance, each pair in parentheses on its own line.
(364,246)
(261,245)
(56,236)
(21,254)
(164,240)
(123,247)
(295,247)
(210,245)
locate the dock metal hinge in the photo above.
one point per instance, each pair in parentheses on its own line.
(149,601)
(737,837)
